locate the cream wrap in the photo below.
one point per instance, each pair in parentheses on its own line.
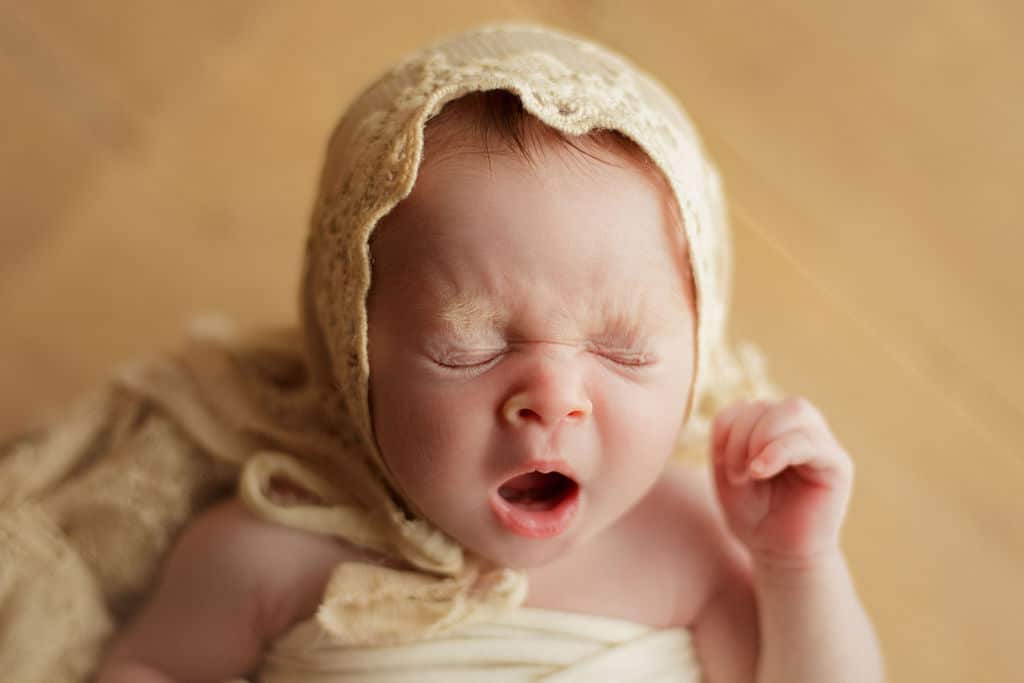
(91,504)
(540,646)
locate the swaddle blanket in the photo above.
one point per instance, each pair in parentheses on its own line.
(89,505)
(521,645)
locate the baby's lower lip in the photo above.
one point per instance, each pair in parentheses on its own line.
(537,523)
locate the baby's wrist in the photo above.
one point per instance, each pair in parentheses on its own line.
(777,571)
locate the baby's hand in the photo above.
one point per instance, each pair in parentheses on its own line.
(782,479)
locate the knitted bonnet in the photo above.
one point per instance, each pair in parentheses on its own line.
(371,165)
(375,151)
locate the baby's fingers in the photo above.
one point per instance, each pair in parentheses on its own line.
(722,424)
(819,461)
(733,451)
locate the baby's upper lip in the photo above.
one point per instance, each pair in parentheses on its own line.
(547,466)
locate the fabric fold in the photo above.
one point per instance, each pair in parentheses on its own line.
(522,645)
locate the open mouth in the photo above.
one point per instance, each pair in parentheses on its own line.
(537,490)
(537,504)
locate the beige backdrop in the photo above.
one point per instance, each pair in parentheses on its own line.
(157,160)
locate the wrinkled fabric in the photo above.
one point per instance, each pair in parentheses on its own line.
(520,646)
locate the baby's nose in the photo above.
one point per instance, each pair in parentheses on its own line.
(546,406)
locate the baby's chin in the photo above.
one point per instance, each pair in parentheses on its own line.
(521,559)
(519,553)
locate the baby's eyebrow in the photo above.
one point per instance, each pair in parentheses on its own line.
(625,322)
(629,320)
(623,331)
(468,315)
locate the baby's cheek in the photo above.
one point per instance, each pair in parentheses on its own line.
(647,418)
(430,421)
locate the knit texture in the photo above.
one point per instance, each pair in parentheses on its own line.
(91,504)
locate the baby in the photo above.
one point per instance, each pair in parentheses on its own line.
(516,295)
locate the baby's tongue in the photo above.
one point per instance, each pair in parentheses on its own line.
(536,490)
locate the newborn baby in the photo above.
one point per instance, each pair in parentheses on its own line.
(539,323)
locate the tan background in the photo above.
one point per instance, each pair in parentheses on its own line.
(157,160)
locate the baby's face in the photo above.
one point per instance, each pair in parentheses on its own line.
(531,348)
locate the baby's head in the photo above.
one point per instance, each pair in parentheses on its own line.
(518,257)
(531,331)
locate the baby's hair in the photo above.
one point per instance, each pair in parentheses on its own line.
(497,122)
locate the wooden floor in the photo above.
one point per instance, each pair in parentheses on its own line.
(157,161)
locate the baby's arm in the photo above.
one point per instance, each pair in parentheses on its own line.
(784,483)
(232,584)
(813,626)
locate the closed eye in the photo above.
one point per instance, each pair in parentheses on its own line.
(467,363)
(627,358)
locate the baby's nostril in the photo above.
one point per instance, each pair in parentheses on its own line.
(527,414)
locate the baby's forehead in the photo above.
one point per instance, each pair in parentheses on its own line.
(430,298)
(448,222)
(453,197)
